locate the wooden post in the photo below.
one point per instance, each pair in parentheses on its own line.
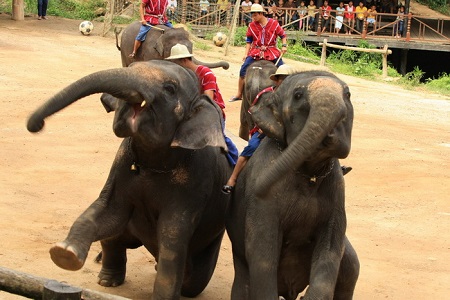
(109,16)
(230,39)
(183,12)
(31,286)
(54,290)
(17,10)
(408,28)
(385,64)
(319,24)
(323,57)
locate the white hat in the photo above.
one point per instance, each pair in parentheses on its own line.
(282,70)
(179,51)
(257,8)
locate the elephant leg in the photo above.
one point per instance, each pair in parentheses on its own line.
(239,290)
(114,258)
(98,222)
(348,274)
(262,248)
(175,229)
(200,270)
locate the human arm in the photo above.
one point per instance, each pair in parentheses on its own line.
(142,13)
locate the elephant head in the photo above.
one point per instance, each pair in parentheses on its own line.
(157,45)
(256,79)
(311,115)
(159,105)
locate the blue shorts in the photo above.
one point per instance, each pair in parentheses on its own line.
(145,29)
(249,60)
(253,144)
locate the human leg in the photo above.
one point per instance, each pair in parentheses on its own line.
(139,39)
(248,61)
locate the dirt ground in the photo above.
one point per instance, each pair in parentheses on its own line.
(398,204)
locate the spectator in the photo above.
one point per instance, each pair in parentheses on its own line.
(280,13)
(311,15)
(42,9)
(326,11)
(360,16)
(271,7)
(245,8)
(224,6)
(291,12)
(349,17)
(302,12)
(171,9)
(339,17)
(398,29)
(371,16)
(204,7)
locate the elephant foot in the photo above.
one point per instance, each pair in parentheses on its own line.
(66,257)
(111,278)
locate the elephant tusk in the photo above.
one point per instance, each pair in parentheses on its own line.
(143,103)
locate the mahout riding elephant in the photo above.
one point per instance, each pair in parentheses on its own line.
(287,218)
(157,44)
(256,79)
(163,190)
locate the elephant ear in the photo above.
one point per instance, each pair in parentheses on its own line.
(159,47)
(203,126)
(267,115)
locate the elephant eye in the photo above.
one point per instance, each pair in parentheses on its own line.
(170,88)
(298,95)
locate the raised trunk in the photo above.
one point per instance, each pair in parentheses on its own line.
(323,117)
(219,64)
(121,83)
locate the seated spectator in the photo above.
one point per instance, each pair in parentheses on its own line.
(280,13)
(171,9)
(371,16)
(311,15)
(326,11)
(339,17)
(360,11)
(349,17)
(245,8)
(302,11)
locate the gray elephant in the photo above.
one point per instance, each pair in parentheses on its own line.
(157,44)
(163,190)
(287,219)
(256,79)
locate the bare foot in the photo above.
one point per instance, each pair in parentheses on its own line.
(66,257)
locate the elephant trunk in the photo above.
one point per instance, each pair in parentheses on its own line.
(326,112)
(121,83)
(219,64)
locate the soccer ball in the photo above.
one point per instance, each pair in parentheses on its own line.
(86,27)
(219,39)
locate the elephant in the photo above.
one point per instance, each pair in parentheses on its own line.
(163,189)
(287,218)
(256,79)
(157,45)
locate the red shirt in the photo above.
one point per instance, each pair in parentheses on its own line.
(264,39)
(154,11)
(326,11)
(208,82)
(348,12)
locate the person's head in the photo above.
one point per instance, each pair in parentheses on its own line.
(180,55)
(373,7)
(311,2)
(257,12)
(255,1)
(325,3)
(361,4)
(302,3)
(341,4)
(280,74)
(350,3)
(402,8)
(280,2)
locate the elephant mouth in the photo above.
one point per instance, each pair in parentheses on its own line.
(138,108)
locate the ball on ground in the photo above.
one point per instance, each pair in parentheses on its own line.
(86,27)
(219,39)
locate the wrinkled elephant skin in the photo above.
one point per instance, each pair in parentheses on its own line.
(163,190)
(157,44)
(287,219)
(256,79)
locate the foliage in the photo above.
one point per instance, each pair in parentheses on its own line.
(412,79)
(441,84)
(442,6)
(71,9)
(302,52)
(201,45)
(240,36)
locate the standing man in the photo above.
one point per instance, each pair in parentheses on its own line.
(261,41)
(180,55)
(42,9)
(153,12)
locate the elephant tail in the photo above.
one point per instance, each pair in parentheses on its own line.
(117,31)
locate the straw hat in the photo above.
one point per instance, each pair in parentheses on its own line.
(257,8)
(179,51)
(282,70)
